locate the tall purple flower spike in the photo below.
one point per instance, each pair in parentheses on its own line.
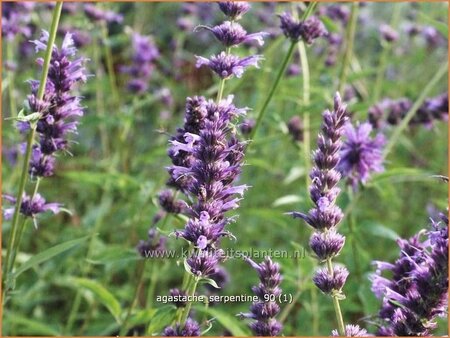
(266,308)
(60,109)
(59,112)
(417,292)
(360,154)
(145,53)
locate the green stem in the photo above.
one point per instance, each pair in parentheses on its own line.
(110,67)
(187,309)
(99,100)
(30,141)
(152,286)
(124,328)
(337,307)
(222,82)
(405,121)
(306,103)
(273,89)
(84,271)
(351,227)
(12,100)
(384,57)
(349,46)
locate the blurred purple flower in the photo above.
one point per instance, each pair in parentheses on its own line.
(95,13)
(145,53)
(153,246)
(308,30)
(360,154)
(295,128)
(388,33)
(16,17)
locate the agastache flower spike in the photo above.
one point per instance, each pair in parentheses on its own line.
(326,215)
(417,292)
(266,309)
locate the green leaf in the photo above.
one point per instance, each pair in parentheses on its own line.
(210,281)
(399,175)
(142,317)
(288,199)
(161,319)
(101,293)
(47,254)
(26,326)
(229,322)
(379,230)
(294,174)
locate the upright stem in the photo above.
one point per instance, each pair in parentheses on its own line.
(337,307)
(99,100)
(349,46)
(10,74)
(273,89)
(222,82)
(110,67)
(30,141)
(306,115)
(351,227)
(124,328)
(191,292)
(404,123)
(384,57)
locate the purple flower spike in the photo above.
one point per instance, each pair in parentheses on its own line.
(232,34)
(59,108)
(234,9)
(360,154)
(308,30)
(145,53)
(329,283)
(227,65)
(266,309)
(190,329)
(352,331)
(417,292)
